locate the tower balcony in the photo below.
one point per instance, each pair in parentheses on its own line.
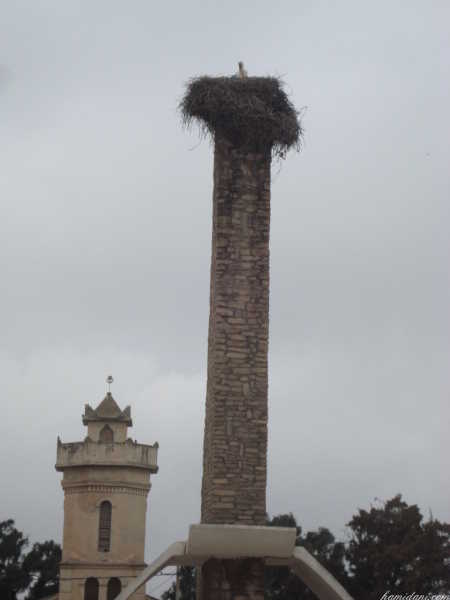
(89,453)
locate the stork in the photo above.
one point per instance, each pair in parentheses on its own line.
(242,73)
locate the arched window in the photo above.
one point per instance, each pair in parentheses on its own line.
(104,527)
(114,588)
(106,435)
(91,589)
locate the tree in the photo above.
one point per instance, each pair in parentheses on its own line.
(393,549)
(282,584)
(330,553)
(35,572)
(42,564)
(13,578)
(187,585)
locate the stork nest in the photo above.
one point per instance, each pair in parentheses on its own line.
(253,113)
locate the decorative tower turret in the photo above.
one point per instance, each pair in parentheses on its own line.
(106,480)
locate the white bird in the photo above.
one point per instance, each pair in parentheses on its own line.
(242,73)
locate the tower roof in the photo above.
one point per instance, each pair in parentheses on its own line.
(107,410)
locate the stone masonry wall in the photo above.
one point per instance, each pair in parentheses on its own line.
(233,579)
(235,443)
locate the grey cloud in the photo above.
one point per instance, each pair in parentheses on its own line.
(105,236)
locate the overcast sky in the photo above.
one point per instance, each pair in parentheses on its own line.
(105,237)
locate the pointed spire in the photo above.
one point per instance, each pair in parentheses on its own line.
(107,410)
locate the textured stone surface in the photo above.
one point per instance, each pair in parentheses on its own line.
(88,452)
(95,471)
(235,443)
(233,580)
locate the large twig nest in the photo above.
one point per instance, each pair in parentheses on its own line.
(253,113)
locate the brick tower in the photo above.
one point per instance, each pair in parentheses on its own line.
(106,480)
(249,119)
(235,444)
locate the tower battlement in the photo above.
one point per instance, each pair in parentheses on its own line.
(121,454)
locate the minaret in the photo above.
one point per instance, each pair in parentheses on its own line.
(106,480)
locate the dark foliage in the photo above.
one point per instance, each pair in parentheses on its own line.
(393,549)
(42,563)
(13,578)
(187,585)
(253,113)
(282,584)
(35,572)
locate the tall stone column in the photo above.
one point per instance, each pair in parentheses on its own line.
(249,119)
(235,443)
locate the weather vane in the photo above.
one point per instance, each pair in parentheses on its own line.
(109,381)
